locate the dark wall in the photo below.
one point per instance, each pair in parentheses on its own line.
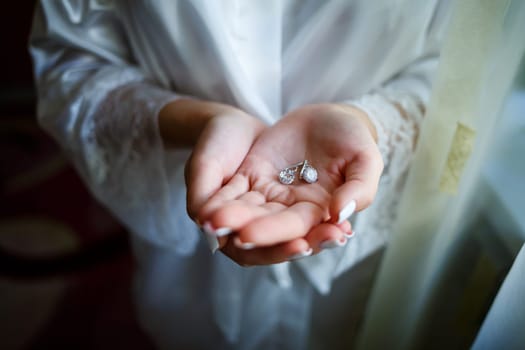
(16,81)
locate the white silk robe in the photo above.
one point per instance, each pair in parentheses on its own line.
(105,68)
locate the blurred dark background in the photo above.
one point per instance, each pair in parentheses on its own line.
(16,90)
(65,263)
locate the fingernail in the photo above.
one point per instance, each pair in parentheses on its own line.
(223,231)
(243,245)
(333,243)
(212,240)
(301,254)
(346,212)
(350,234)
(219,232)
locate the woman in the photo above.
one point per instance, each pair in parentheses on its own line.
(281,115)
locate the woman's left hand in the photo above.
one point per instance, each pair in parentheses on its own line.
(273,222)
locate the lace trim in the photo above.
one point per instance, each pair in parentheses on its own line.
(127,168)
(397,117)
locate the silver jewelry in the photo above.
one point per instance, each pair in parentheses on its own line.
(307,173)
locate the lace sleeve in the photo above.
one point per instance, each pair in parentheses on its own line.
(103,111)
(396,135)
(397,107)
(396,110)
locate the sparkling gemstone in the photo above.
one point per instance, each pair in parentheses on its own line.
(309,174)
(287,176)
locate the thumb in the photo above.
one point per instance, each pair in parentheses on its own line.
(362,175)
(203,179)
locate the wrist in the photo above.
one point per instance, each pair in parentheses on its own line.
(362,116)
(314,110)
(182,121)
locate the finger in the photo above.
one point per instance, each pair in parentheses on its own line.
(233,189)
(323,236)
(288,224)
(236,214)
(360,187)
(203,179)
(268,255)
(233,216)
(252,197)
(326,236)
(345,226)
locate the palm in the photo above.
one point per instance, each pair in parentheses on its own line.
(221,149)
(278,149)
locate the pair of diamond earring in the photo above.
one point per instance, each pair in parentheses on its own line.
(306,172)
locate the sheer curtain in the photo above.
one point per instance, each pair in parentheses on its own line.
(416,303)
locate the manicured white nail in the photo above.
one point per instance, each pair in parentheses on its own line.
(347,211)
(219,232)
(223,231)
(350,235)
(332,243)
(302,254)
(212,240)
(243,245)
